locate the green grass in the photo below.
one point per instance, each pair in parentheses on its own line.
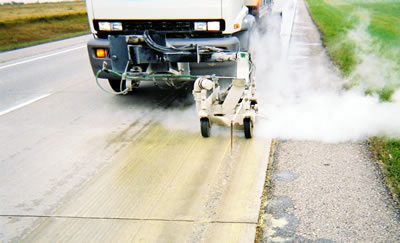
(334,22)
(387,151)
(384,21)
(379,40)
(10,13)
(335,18)
(29,24)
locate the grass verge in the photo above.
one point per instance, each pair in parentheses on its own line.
(358,33)
(29,24)
(334,22)
(353,31)
(34,10)
(387,153)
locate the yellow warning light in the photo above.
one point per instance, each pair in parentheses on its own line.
(101,53)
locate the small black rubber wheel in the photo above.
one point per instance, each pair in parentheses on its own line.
(205,127)
(116,85)
(248,128)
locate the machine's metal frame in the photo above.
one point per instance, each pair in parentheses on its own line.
(235,106)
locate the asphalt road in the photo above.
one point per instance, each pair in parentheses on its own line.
(77,164)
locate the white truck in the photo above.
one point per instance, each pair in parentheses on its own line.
(204,42)
(258,8)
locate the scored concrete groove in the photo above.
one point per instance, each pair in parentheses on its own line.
(130,219)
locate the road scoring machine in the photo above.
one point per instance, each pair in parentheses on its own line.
(203,42)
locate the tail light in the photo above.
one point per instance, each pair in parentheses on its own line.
(101,52)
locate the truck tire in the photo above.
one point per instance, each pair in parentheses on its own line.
(116,85)
(248,128)
(205,127)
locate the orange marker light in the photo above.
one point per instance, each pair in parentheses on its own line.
(236,26)
(101,53)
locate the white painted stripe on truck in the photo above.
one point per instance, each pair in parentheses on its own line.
(41,57)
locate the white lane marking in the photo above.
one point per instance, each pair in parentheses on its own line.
(307,27)
(293,58)
(42,57)
(23,104)
(308,44)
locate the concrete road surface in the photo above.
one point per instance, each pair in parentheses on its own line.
(80,165)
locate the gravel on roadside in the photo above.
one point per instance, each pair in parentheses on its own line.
(328,192)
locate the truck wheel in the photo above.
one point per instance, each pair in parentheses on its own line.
(116,85)
(205,127)
(248,128)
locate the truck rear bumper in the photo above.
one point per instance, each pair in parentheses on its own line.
(119,52)
(97,63)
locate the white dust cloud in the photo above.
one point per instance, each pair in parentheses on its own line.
(302,97)
(374,70)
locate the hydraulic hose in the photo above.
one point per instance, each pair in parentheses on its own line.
(164,49)
(176,50)
(107,91)
(150,76)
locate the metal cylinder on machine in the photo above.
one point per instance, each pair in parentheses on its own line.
(203,83)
